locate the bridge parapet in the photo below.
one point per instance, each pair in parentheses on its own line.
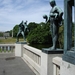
(32,57)
(7,48)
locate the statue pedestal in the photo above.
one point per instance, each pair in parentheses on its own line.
(57,51)
(46,61)
(19,48)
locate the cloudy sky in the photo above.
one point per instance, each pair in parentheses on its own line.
(12,12)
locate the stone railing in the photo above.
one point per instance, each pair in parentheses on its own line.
(56,65)
(33,58)
(39,61)
(5,48)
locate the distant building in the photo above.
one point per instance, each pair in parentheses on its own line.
(6,34)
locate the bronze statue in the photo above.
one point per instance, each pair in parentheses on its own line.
(22,29)
(55,19)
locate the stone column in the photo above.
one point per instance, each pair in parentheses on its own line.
(69,53)
(67,25)
(68,62)
(74,24)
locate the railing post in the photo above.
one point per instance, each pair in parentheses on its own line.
(46,61)
(19,49)
(6,48)
(56,65)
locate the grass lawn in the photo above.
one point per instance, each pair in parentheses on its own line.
(9,40)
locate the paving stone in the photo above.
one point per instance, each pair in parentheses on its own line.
(14,66)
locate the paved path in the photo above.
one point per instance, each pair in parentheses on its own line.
(14,66)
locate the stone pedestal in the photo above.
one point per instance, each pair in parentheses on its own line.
(46,61)
(19,49)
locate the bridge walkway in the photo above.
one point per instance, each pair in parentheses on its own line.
(10,65)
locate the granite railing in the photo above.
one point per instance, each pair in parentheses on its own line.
(56,65)
(41,62)
(5,48)
(33,58)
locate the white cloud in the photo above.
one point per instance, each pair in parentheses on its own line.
(12,12)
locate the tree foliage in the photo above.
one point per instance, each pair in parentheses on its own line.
(32,26)
(40,34)
(1,34)
(15,30)
(10,32)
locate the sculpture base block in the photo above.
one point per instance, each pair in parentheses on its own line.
(56,51)
(46,60)
(69,57)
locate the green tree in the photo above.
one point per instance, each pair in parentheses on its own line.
(10,32)
(32,26)
(15,30)
(1,34)
(40,34)
(61,36)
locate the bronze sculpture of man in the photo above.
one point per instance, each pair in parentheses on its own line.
(55,19)
(22,29)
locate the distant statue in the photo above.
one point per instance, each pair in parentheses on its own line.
(55,19)
(22,29)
